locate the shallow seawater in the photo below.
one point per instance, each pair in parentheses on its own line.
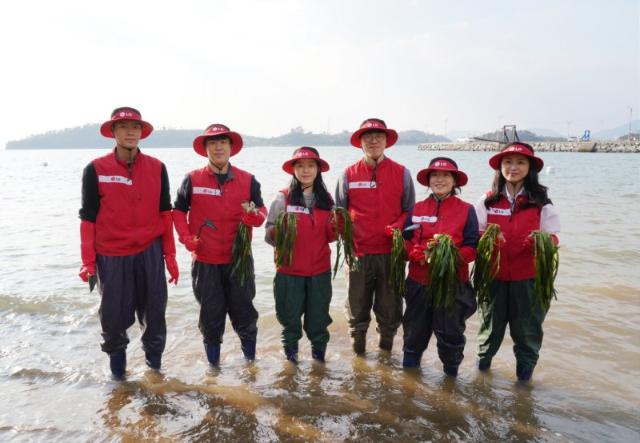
(56,384)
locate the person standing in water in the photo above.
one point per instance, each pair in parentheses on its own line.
(442,212)
(378,193)
(303,287)
(210,205)
(126,235)
(519,204)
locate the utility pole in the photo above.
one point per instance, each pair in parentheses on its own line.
(630,119)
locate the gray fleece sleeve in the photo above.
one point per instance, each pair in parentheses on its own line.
(409,193)
(276,208)
(342,198)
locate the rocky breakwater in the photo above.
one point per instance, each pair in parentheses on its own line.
(596,146)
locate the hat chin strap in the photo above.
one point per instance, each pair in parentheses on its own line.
(447,195)
(217,168)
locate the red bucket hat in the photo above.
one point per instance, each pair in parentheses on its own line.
(517,148)
(374,124)
(302,153)
(125,113)
(442,164)
(212,131)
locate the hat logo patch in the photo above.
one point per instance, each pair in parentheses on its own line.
(440,164)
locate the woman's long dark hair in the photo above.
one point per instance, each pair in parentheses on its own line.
(535,192)
(322,196)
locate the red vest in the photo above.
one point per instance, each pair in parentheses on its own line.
(128,220)
(516,260)
(222,206)
(311,252)
(450,218)
(374,205)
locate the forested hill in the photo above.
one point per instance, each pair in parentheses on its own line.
(88,136)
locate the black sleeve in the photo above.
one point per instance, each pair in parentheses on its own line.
(165,192)
(256,195)
(90,196)
(408,235)
(470,235)
(183,197)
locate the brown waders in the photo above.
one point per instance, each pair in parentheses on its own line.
(369,288)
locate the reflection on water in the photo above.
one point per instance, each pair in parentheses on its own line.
(364,399)
(56,386)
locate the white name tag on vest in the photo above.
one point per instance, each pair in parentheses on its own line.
(499,211)
(115,179)
(298,209)
(206,191)
(362,185)
(424,219)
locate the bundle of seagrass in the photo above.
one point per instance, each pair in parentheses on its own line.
(343,226)
(443,258)
(286,232)
(547,261)
(241,251)
(397,264)
(487,263)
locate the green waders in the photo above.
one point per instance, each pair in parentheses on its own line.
(512,303)
(309,296)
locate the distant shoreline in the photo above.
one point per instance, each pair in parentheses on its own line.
(598,146)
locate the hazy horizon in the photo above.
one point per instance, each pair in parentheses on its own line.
(264,67)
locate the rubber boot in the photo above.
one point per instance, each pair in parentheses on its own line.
(386,343)
(292,354)
(213,354)
(118,364)
(317,355)
(411,359)
(248,349)
(523,374)
(359,344)
(484,364)
(450,370)
(153,360)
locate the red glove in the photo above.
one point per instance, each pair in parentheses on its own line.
(467,254)
(528,242)
(87,271)
(417,254)
(254,219)
(334,230)
(87,250)
(389,229)
(172,267)
(433,242)
(500,241)
(190,241)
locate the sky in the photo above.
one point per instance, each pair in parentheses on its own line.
(265,67)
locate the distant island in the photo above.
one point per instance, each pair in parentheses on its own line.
(88,136)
